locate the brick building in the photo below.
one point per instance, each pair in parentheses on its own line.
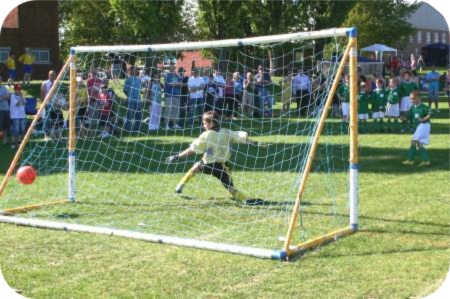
(32,25)
(431,27)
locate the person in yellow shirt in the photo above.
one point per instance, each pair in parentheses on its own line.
(11,66)
(27,59)
(214,143)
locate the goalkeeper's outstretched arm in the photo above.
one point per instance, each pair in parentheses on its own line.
(187,152)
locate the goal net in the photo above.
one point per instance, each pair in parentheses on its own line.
(105,142)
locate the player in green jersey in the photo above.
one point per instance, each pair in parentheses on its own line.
(406,87)
(343,94)
(392,108)
(378,104)
(419,115)
(363,107)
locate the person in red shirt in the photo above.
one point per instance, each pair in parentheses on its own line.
(107,115)
(94,87)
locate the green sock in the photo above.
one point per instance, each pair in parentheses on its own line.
(412,152)
(424,154)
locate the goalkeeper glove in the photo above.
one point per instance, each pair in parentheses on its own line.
(172,159)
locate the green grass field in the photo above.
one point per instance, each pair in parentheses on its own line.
(400,251)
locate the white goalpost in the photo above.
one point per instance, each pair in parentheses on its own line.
(289,167)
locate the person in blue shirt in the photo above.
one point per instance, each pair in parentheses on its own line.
(432,79)
(172,93)
(132,89)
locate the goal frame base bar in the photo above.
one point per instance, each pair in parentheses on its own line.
(182,242)
(25,209)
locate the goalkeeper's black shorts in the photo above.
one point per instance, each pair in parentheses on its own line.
(219,170)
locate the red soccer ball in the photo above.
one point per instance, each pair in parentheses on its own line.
(26,175)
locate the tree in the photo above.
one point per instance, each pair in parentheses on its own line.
(382,21)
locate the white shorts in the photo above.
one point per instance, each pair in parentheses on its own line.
(405,104)
(392,110)
(422,133)
(345,108)
(379,114)
(363,116)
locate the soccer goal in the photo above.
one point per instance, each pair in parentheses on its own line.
(114,114)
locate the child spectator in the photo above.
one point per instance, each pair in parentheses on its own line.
(229,100)
(363,107)
(405,89)
(237,93)
(286,95)
(107,115)
(215,145)
(378,104)
(155,112)
(392,108)
(132,88)
(343,94)
(420,117)
(11,66)
(248,95)
(211,89)
(5,121)
(17,115)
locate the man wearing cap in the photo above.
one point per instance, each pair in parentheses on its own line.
(5,121)
(27,61)
(196,84)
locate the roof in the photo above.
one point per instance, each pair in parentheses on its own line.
(378,48)
(440,46)
(427,17)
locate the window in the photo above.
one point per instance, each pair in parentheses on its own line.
(4,54)
(436,37)
(411,39)
(419,37)
(41,56)
(428,37)
(444,38)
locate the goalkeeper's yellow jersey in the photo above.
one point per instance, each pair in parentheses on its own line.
(215,144)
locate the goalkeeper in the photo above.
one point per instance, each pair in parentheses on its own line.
(214,144)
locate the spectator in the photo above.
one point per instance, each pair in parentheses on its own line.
(116,68)
(263,85)
(17,115)
(132,89)
(53,116)
(447,86)
(432,79)
(107,114)
(248,95)
(5,121)
(286,94)
(413,63)
(220,92)
(94,85)
(237,93)
(301,88)
(343,94)
(196,84)
(27,61)
(229,94)
(11,66)
(155,112)
(172,93)
(184,96)
(421,64)
(211,89)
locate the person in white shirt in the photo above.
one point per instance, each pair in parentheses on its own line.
(17,115)
(5,121)
(196,85)
(301,90)
(219,82)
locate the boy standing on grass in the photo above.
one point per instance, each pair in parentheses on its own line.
(17,115)
(214,144)
(392,108)
(420,117)
(378,105)
(363,107)
(343,94)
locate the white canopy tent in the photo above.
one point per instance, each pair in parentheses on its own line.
(379,50)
